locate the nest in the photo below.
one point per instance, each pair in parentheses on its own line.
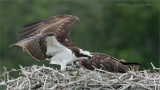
(47,78)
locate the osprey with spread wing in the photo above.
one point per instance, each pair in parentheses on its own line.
(48,39)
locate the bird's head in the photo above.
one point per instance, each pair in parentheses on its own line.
(85,55)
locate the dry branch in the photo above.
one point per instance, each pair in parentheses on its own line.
(47,78)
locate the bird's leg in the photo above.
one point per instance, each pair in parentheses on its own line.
(74,64)
(63,67)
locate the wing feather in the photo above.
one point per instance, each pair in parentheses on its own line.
(28,31)
(59,25)
(35,46)
(31,28)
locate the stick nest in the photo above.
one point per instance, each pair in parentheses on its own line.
(47,78)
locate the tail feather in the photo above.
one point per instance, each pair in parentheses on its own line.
(130,63)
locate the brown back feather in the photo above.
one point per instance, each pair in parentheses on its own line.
(104,62)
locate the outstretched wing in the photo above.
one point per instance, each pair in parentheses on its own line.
(60,25)
(104,62)
(35,46)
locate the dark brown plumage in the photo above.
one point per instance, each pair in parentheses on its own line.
(60,25)
(107,63)
(35,46)
(35,34)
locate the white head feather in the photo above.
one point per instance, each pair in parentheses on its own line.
(85,52)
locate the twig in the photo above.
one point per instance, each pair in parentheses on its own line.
(45,82)
(43,77)
(154,67)
(126,86)
(29,84)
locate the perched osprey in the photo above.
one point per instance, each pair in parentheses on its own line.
(48,39)
(107,63)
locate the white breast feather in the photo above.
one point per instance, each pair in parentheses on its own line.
(61,54)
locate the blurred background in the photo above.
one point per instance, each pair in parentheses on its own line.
(125,29)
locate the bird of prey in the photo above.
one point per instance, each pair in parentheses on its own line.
(48,39)
(107,63)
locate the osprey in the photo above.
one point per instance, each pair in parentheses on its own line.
(107,63)
(48,39)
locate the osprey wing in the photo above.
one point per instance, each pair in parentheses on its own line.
(35,45)
(60,25)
